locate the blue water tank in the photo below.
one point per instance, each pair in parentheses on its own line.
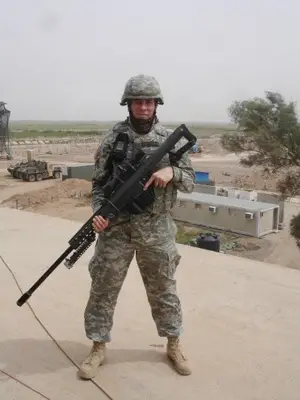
(201,176)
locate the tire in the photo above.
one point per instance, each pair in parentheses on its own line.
(56,174)
(39,177)
(31,178)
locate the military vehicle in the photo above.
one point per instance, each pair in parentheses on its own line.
(17,170)
(39,171)
(22,169)
(13,169)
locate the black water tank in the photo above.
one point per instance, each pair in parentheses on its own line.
(209,241)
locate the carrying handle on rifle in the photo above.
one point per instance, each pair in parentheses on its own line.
(191,141)
(187,134)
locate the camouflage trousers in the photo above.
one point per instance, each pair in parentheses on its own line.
(152,239)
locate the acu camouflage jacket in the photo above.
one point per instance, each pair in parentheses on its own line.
(184,175)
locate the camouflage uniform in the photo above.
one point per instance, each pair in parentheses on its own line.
(150,236)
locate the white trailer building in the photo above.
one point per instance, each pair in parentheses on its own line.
(246,217)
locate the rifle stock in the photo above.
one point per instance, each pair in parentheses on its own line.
(132,179)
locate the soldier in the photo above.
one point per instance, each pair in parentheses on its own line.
(150,234)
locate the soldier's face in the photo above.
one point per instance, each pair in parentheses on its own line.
(143,109)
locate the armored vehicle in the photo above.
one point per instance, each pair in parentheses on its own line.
(41,170)
(13,169)
(23,168)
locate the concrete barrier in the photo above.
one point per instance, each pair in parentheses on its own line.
(82,171)
(209,189)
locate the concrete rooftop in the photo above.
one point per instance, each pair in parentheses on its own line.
(242,325)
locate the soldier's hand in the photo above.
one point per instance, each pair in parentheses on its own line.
(160,178)
(99,224)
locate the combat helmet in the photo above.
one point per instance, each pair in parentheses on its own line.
(142,87)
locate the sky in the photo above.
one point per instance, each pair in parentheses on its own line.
(70,59)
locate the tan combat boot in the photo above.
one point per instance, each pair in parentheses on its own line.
(177,357)
(89,367)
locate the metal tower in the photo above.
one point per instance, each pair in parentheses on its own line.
(5,151)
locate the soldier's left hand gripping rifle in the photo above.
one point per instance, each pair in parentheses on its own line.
(127,190)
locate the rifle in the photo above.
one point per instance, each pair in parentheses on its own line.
(130,180)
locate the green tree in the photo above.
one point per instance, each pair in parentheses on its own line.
(268,136)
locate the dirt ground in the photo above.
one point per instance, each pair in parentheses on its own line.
(71,199)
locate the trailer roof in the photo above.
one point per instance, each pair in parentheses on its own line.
(214,200)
